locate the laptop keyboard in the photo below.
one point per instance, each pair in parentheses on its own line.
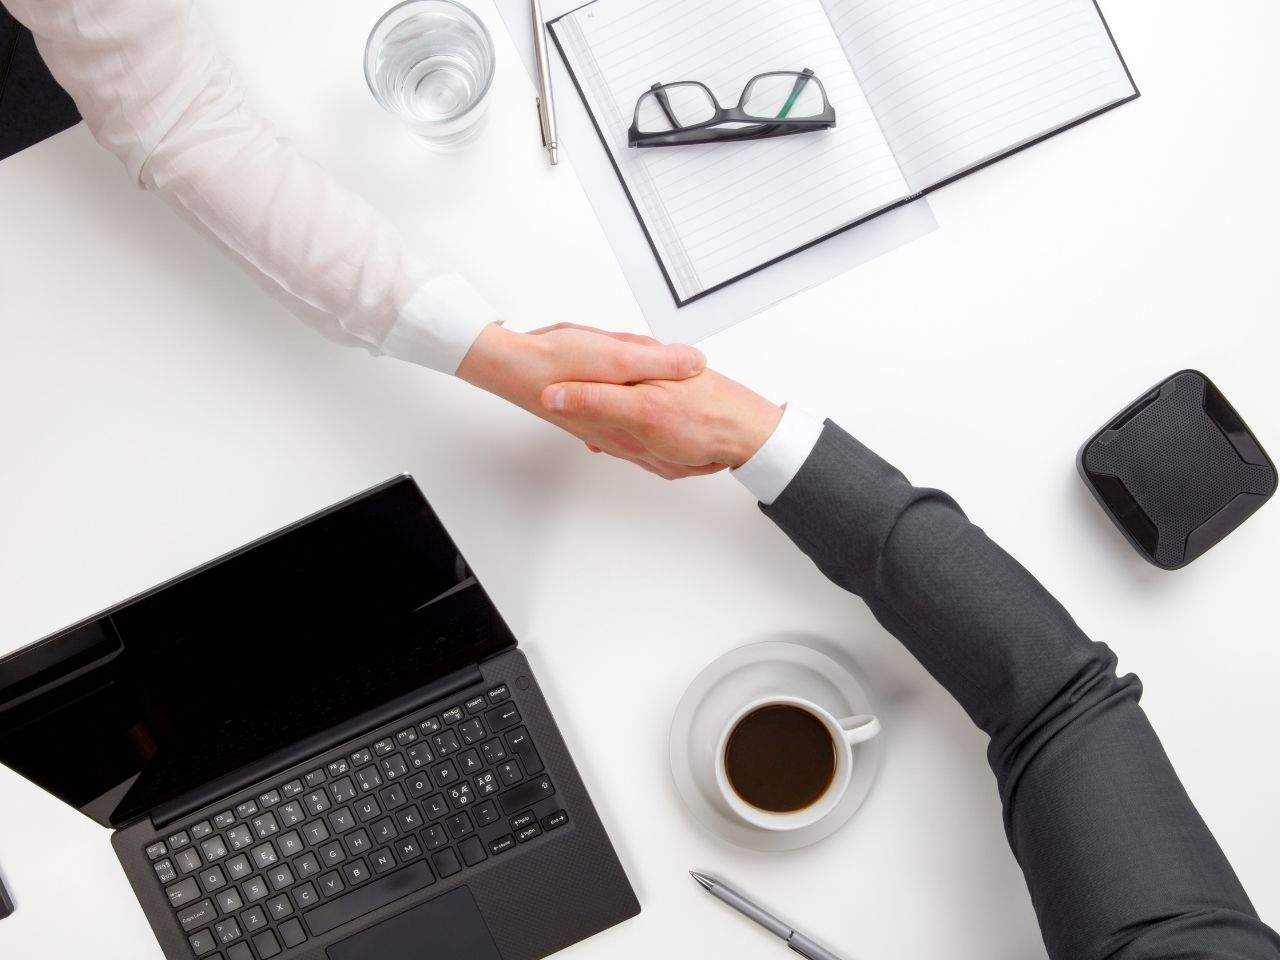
(445,793)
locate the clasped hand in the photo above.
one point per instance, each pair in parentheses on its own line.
(630,396)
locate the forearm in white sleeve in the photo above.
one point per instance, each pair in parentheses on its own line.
(152,87)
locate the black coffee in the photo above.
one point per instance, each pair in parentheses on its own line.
(780,758)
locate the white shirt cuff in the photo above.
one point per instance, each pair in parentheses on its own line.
(776,463)
(439,323)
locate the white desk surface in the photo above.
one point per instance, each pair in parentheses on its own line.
(157,409)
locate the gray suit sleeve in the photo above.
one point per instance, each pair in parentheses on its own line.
(1118,862)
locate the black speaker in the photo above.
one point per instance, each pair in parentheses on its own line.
(1177,470)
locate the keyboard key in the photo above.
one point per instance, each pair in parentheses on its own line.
(307,865)
(526,795)
(179,840)
(476,704)
(357,842)
(227,930)
(382,860)
(239,837)
(435,806)
(459,825)
(502,844)
(472,731)
(289,844)
(238,867)
(267,945)
(419,756)
(383,747)
(291,814)
(316,832)
(407,849)
(486,784)
(406,737)
(183,892)
(246,809)
(279,907)
(338,767)
(331,884)
(317,801)
(213,879)
(520,744)
(291,932)
(228,900)
(197,915)
(202,942)
(342,820)
(409,819)
(361,757)
(461,795)
(446,742)
(494,751)
(306,896)
(269,799)
(255,889)
(472,851)
(165,871)
(255,918)
(157,849)
(201,830)
(428,726)
(280,876)
(332,854)
(446,863)
(444,773)
(452,715)
(419,783)
(343,790)
(368,779)
(265,826)
(502,717)
(215,848)
(528,833)
(510,773)
(434,837)
(292,789)
(225,819)
(522,820)
(393,766)
(469,762)
(392,797)
(264,855)
(499,693)
(188,860)
(356,872)
(239,951)
(485,814)
(368,897)
(314,779)
(384,830)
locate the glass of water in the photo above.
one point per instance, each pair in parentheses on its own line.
(430,62)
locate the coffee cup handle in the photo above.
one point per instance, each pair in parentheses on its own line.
(860,728)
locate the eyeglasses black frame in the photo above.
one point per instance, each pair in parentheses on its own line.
(706,132)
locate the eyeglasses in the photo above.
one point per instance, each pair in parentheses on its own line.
(772,105)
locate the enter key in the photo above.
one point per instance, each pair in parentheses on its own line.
(520,744)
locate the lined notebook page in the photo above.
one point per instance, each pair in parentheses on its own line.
(957,82)
(717,211)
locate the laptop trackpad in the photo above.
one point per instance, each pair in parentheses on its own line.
(446,928)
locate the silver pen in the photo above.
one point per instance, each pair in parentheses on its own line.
(796,940)
(546,108)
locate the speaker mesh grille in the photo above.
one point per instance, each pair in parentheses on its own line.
(1177,465)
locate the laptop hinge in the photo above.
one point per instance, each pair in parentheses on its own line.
(179,807)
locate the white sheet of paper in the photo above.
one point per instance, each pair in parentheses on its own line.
(741,299)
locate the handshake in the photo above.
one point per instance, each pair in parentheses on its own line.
(626,395)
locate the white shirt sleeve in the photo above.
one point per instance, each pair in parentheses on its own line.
(152,87)
(778,461)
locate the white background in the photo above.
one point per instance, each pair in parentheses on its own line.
(156,409)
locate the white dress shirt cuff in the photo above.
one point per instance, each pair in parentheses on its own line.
(776,463)
(438,324)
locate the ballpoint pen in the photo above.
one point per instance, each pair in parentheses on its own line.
(546,109)
(796,940)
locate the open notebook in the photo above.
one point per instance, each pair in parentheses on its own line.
(925,91)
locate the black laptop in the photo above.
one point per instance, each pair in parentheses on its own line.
(323,745)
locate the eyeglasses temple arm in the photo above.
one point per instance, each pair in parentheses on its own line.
(795,92)
(661,96)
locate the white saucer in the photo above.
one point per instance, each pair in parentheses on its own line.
(742,675)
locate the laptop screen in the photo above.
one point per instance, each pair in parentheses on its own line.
(225,665)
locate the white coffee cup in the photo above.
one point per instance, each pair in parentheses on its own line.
(845,735)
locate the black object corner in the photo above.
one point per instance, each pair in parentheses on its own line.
(1177,470)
